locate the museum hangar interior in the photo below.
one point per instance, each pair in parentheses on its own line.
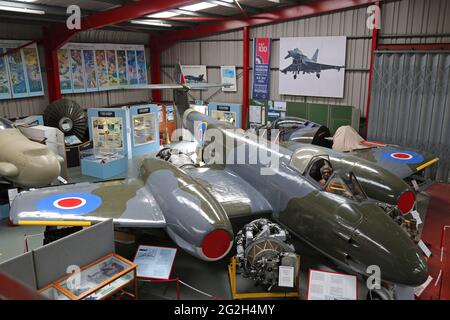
(224,149)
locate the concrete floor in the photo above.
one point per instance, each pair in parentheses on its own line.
(211,278)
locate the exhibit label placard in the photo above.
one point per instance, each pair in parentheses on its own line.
(154,262)
(327,285)
(261,68)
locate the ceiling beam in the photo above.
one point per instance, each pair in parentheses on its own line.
(116,15)
(275,16)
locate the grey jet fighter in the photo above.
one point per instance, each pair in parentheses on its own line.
(199,78)
(302,64)
(197,205)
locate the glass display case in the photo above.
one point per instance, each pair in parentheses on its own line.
(96,281)
(107,135)
(144,129)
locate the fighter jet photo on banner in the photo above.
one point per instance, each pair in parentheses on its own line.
(312,66)
(194,74)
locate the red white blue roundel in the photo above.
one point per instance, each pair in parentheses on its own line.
(70,203)
(401,156)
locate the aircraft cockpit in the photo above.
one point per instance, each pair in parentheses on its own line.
(317,168)
(6,124)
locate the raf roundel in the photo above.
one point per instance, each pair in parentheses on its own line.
(400,156)
(70,203)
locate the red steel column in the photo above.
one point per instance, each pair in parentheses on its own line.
(52,69)
(372,58)
(245,79)
(155,68)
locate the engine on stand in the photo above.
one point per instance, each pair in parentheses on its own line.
(262,247)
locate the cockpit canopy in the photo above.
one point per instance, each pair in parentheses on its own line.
(6,124)
(316,166)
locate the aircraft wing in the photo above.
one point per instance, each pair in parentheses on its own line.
(401,161)
(200,85)
(162,86)
(292,68)
(127,202)
(235,195)
(320,66)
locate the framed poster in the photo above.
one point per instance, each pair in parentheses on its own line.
(122,67)
(5,89)
(89,70)
(132,68)
(113,79)
(312,66)
(33,71)
(77,70)
(65,76)
(17,75)
(194,74)
(141,67)
(228,76)
(227,116)
(101,69)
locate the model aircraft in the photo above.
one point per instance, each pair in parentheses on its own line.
(199,78)
(302,64)
(23,162)
(197,205)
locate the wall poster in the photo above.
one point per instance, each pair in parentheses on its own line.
(65,76)
(33,71)
(194,74)
(5,89)
(312,66)
(92,67)
(77,70)
(20,70)
(89,70)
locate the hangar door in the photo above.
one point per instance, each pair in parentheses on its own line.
(410,103)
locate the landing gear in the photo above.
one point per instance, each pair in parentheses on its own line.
(295,76)
(318,75)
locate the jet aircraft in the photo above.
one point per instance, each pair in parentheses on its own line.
(197,205)
(302,64)
(199,78)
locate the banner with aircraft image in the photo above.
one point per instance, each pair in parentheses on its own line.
(86,67)
(312,66)
(20,70)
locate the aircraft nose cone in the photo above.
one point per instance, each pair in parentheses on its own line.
(40,170)
(414,267)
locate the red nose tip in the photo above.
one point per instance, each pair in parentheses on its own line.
(216,244)
(406,201)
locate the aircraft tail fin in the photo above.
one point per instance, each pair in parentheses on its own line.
(315,56)
(179,76)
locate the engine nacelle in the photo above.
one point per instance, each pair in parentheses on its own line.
(194,219)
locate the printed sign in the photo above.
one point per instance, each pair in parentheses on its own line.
(261,68)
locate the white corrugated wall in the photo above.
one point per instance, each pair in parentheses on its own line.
(427,20)
(424,18)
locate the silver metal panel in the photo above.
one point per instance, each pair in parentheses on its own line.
(410,104)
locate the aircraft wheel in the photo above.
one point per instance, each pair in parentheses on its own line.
(295,76)
(318,76)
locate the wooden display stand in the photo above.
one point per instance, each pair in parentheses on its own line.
(232,269)
(114,284)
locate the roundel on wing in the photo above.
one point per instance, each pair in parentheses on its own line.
(70,203)
(401,156)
